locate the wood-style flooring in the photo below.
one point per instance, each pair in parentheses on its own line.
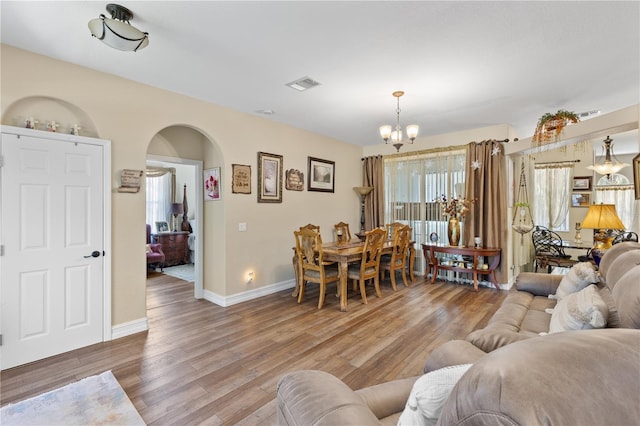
(200,363)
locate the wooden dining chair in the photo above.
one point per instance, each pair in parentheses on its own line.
(369,266)
(397,260)
(392,228)
(342,233)
(312,267)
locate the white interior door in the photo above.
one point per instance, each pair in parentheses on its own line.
(51,269)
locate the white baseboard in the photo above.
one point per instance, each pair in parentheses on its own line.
(128,328)
(245,296)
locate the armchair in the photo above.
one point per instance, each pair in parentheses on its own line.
(155,255)
(549,251)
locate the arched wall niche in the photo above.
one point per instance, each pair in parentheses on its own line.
(45,109)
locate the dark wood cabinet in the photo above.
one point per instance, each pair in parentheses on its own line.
(175,247)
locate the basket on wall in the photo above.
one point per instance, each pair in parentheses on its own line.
(550,126)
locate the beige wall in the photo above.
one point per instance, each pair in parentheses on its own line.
(131,115)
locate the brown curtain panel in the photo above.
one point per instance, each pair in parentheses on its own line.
(373,175)
(486,182)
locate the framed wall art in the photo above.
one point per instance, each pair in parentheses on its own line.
(240,179)
(321,175)
(162,226)
(581,183)
(580,199)
(269,178)
(294,180)
(211,182)
(636,175)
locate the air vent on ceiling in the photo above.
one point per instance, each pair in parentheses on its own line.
(303,84)
(587,114)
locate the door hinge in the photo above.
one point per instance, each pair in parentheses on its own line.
(2,250)
(0,339)
(1,160)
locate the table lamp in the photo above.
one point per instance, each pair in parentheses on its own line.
(362,191)
(601,217)
(176,209)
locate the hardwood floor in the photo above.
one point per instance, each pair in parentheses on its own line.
(203,364)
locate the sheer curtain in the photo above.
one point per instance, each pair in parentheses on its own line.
(414,182)
(159,194)
(618,191)
(552,195)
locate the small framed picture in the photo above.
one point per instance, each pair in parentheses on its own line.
(269,178)
(321,175)
(212,184)
(241,179)
(294,180)
(162,227)
(582,183)
(580,199)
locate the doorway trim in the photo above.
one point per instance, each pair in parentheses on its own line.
(198,286)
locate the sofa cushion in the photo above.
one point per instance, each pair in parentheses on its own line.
(578,311)
(620,265)
(626,294)
(579,276)
(429,394)
(613,319)
(613,253)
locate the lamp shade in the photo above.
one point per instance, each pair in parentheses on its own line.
(177,208)
(117,32)
(363,190)
(602,216)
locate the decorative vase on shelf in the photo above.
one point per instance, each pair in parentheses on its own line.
(453,231)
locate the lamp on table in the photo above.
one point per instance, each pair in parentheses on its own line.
(176,210)
(362,191)
(602,217)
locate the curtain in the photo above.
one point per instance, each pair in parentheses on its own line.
(373,175)
(552,195)
(623,197)
(414,185)
(485,185)
(160,193)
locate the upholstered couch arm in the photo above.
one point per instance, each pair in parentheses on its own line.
(309,397)
(538,284)
(582,377)
(453,352)
(388,398)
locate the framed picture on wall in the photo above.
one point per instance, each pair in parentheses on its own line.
(241,179)
(269,178)
(321,175)
(212,184)
(581,183)
(580,199)
(636,175)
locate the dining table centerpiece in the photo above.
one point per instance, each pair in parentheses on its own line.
(455,209)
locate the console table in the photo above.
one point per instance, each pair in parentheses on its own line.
(175,247)
(435,262)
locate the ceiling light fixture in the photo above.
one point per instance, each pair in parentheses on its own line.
(117,32)
(608,166)
(395,136)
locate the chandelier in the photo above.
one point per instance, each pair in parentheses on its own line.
(608,166)
(117,32)
(395,136)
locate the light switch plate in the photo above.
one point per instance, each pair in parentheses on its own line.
(242,226)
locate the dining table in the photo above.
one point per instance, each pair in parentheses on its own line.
(349,252)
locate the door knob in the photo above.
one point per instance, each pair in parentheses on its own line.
(94,253)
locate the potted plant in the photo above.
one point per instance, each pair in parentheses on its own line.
(550,125)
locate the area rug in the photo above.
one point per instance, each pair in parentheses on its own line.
(183,272)
(96,400)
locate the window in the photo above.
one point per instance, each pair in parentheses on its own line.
(413,186)
(552,195)
(617,190)
(158,199)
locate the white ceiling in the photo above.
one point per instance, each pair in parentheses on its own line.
(463,65)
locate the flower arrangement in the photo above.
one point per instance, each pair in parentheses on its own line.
(454,207)
(550,126)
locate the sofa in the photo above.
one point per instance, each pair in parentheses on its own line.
(512,372)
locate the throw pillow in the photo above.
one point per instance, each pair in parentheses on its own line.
(581,275)
(149,248)
(429,394)
(578,311)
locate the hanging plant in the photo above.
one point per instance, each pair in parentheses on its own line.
(550,126)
